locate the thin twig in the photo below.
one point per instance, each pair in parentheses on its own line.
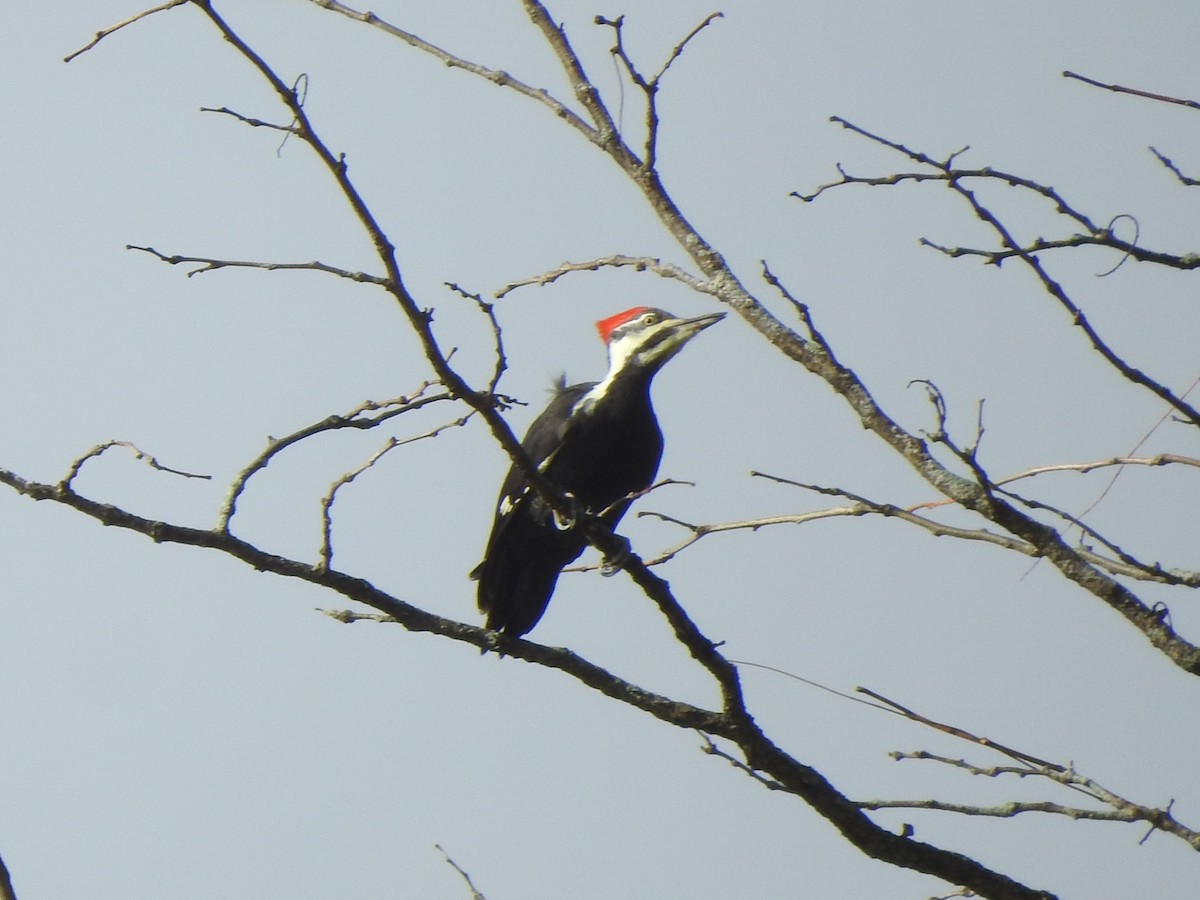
(252,122)
(1120,809)
(711,748)
(366,415)
(1120,89)
(638,263)
(391,444)
(955,731)
(495,76)
(1126,565)
(954,179)
(649,86)
(489,310)
(1154,460)
(105,32)
(210,264)
(138,453)
(475,894)
(1175,170)
(1184,261)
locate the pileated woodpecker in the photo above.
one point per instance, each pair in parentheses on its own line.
(596,442)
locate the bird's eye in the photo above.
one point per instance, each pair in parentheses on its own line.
(650,318)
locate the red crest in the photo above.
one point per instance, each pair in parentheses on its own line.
(607,326)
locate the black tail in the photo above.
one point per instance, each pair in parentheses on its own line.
(518,575)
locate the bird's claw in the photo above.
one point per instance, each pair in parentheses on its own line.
(611,565)
(578,511)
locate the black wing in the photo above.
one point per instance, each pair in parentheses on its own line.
(543,438)
(526,550)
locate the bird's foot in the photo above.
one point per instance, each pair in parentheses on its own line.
(578,511)
(611,565)
(495,641)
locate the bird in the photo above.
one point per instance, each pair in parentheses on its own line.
(597,443)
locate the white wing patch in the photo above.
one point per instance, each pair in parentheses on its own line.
(507,504)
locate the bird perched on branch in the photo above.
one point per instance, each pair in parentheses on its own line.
(597,443)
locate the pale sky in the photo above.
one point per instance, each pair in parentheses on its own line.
(179,726)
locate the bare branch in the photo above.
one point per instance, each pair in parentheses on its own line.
(710,747)
(953,178)
(1153,569)
(252,122)
(733,722)
(1120,808)
(863,506)
(639,263)
(495,76)
(392,444)
(1161,459)
(679,48)
(604,130)
(139,454)
(364,416)
(489,310)
(701,531)
(419,318)
(597,533)
(105,32)
(475,894)
(1119,89)
(1184,262)
(358,590)
(349,616)
(649,86)
(962,733)
(1136,447)
(208,264)
(1184,179)
(821,361)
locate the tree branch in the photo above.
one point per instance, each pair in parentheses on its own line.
(733,723)
(639,263)
(495,76)
(1119,89)
(105,32)
(1120,809)
(327,501)
(140,455)
(369,414)
(209,264)
(953,178)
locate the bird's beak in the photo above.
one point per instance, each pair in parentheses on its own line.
(688,328)
(666,338)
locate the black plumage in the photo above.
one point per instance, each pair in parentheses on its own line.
(599,442)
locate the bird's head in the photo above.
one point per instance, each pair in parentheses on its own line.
(644,337)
